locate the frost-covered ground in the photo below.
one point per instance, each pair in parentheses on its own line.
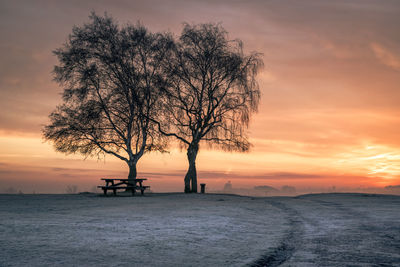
(199,230)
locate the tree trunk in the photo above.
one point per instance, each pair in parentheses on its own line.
(132,171)
(191,175)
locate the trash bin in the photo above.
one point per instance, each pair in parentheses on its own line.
(203,188)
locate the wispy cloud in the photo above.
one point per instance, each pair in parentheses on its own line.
(267,176)
(385,56)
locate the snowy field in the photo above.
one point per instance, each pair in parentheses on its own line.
(199,230)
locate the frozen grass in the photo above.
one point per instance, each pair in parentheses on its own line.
(199,230)
(156,230)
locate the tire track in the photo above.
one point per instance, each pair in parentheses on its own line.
(288,245)
(324,231)
(381,233)
(355,239)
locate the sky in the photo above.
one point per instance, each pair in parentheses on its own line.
(329,113)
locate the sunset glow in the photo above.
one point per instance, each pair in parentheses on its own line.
(329,115)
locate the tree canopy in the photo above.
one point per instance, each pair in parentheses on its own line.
(211,92)
(112,76)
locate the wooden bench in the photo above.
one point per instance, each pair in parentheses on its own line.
(115,184)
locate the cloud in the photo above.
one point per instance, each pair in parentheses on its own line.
(262,176)
(229,175)
(385,56)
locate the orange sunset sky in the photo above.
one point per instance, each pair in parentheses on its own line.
(329,113)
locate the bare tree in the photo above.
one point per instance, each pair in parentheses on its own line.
(211,94)
(111,76)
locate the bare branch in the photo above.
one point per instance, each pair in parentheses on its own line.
(112,78)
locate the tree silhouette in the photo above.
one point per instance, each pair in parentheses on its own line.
(111,77)
(211,94)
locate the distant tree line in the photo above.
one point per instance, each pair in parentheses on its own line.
(128,91)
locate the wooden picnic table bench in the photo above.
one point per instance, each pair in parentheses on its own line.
(115,184)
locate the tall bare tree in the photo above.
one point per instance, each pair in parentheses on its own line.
(211,94)
(111,77)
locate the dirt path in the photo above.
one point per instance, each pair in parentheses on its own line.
(327,230)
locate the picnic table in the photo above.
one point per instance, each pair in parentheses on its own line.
(115,184)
